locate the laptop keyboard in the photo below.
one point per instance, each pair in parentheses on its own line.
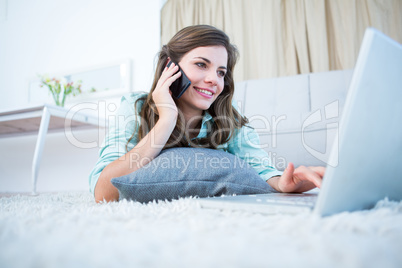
(289,199)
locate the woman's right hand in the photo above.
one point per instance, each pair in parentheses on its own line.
(162,96)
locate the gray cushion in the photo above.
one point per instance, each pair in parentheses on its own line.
(183,172)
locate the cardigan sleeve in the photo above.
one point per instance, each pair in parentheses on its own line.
(122,125)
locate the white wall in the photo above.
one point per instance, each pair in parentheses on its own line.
(48,36)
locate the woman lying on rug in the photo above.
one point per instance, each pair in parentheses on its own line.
(147,125)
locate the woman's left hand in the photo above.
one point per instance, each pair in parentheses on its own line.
(298,180)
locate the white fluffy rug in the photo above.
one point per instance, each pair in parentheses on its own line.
(71,230)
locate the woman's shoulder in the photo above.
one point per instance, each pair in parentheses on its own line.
(129,101)
(132,97)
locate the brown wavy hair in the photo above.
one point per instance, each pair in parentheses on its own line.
(225,117)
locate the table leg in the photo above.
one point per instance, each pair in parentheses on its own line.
(44,125)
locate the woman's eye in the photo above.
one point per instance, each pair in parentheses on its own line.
(221,73)
(201,64)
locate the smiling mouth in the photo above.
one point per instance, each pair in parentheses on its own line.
(204,91)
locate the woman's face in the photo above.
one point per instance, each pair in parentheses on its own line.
(206,68)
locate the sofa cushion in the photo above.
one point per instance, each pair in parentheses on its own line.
(297,116)
(327,87)
(283,99)
(310,148)
(239,96)
(183,172)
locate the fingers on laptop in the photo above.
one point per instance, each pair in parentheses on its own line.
(319,170)
(310,174)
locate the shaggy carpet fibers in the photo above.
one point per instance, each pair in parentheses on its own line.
(71,230)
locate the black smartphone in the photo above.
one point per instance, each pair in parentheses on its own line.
(181,84)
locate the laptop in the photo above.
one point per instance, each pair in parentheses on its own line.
(371,122)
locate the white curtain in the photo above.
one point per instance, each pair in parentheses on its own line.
(288,37)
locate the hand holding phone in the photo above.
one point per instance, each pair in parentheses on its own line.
(181,84)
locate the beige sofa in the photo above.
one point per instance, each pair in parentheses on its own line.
(296,116)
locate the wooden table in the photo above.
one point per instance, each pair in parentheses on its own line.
(41,119)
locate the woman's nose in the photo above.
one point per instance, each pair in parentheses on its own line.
(212,78)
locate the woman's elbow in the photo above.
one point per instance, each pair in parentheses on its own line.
(105,191)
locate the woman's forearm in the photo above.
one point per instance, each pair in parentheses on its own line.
(143,153)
